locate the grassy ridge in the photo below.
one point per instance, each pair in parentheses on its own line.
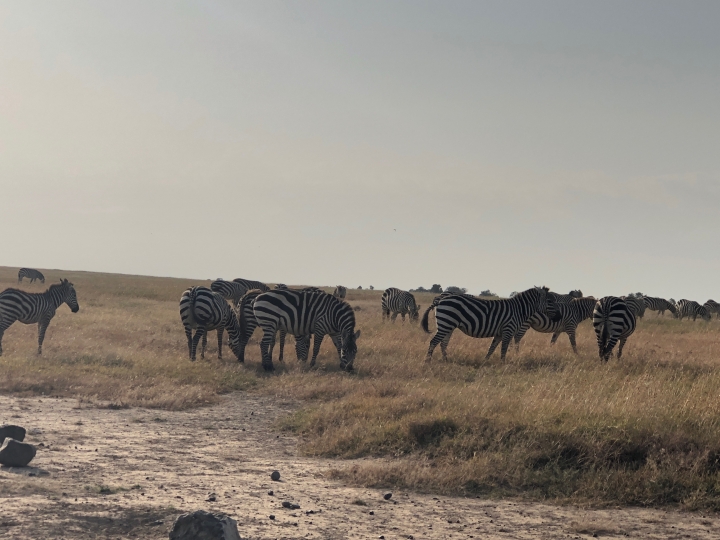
(544,424)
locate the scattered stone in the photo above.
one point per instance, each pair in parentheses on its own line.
(211,498)
(201,525)
(275,476)
(372,513)
(271,493)
(12,432)
(271,516)
(387,496)
(14,453)
(291,506)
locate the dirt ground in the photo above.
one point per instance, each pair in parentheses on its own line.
(102,473)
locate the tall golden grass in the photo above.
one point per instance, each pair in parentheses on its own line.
(543,424)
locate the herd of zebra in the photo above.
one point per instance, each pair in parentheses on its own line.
(240,306)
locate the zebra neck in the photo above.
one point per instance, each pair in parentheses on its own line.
(56,297)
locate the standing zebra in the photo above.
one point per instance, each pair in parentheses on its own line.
(31,308)
(31,274)
(659,304)
(204,310)
(303,313)
(340,292)
(566,298)
(248,324)
(396,301)
(570,316)
(480,318)
(690,308)
(613,320)
(712,307)
(636,304)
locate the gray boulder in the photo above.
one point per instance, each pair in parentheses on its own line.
(16,454)
(201,525)
(12,432)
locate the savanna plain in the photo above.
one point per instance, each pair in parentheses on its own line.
(544,444)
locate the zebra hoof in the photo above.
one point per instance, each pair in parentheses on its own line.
(268,367)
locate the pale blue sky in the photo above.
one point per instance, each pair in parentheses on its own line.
(572,144)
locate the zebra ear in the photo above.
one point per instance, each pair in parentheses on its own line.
(357,334)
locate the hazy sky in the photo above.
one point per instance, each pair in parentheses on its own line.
(481,144)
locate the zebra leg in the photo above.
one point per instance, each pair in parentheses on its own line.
(393,316)
(42,326)
(283,333)
(506,339)
(316,347)
(571,335)
(607,353)
(402,316)
(188,335)
(439,337)
(443,346)
(493,346)
(521,334)
(620,347)
(554,338)
(267,340)
(2,331)
(337,341)
(220,335)
(199,333)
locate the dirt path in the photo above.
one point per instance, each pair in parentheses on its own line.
(128,473)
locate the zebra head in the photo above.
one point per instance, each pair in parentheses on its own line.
(348,350)
(704,313)
(70,296)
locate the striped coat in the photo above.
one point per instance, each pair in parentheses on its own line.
(204,310)
(234,290)
(690,308)
(659,304)
(31,274)
(340,292)
(613,320)
(248,324)
(396,301)
(480,318)
(570,315)
(712,307)
(636,304)
(31,308)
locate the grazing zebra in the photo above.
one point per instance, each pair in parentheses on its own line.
(660,305)
(613,320)
(480,318)
(566,298)
(690,308)
(248,324)
(340,292)
(636,304)
(570,316)
(31,274)
(31,308)
(203,310)
(396,301)
(303,313)
(235,289)
(712,307)
(279,287)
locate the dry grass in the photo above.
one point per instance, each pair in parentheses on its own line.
(544,424)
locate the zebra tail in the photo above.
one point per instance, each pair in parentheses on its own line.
(426,317)
(191,306)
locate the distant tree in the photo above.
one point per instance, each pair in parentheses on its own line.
(359,287)
(487,292)
(436,288)
(419,289)
(454,289)
(372,288)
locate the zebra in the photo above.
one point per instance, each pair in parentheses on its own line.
(477,317)
(340,292)
(31,308)
(303,313)
(613,320)
(279,286)
(235,289)
(636,304)
(570,316)
(566,298)
(690,308)
(203,310)
(396,301)
(660,305)
(712,307)
(248,324)
(31,274)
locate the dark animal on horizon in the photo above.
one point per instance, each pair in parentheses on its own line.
(395,301)
(340,292)
(613,320)
(31,308)
(712,307)
(570,315)
(31,274)
(204,310)
(480,318)
(690,308)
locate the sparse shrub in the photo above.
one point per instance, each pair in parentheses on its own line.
(487,292)
(436,288)
(454,289)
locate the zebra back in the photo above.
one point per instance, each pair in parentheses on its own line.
(249,284)
(659,304)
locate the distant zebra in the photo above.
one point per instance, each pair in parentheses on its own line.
(340,292)
(480,318)
(303,313)
(31,308)
(636,304)
(613,320)
(659,304)
(204,310)
(279,287)
(31,274)
(712,307)
(690,308)
(570,316)
(566,298)
(234,290)
(396,301)
(248,324)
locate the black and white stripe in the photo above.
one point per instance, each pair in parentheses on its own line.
(613,320)
(636,304)
(31,308)
(204,310)
(248,324)
(566,298)
(690,308)
(712,307)
(395,301)
(569,316)
(31,274)
(235,289)
(480,318)
(659,304)
(340,292)
(303,313)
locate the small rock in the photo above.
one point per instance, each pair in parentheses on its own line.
(387,496)
(12,432)
(372,513)
(275,476)
(287,504)
(211,498)
(271,493)
(201,525)
(16,454)
(271,516)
